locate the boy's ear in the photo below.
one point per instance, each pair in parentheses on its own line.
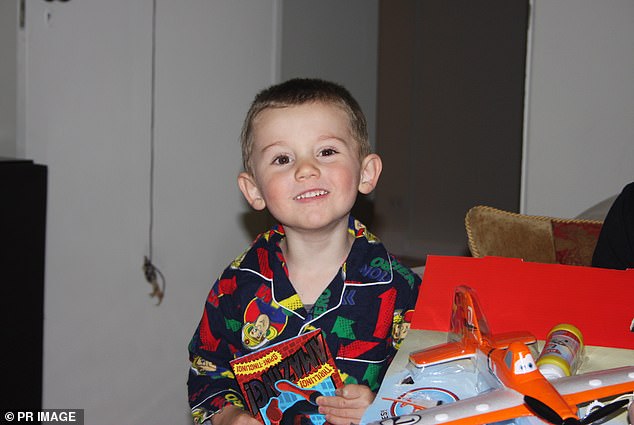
(250,190)
(371,167)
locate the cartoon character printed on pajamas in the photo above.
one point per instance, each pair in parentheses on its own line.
(400,326)
(262,323)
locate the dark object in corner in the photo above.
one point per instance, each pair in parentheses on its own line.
(615,247)
(22,230)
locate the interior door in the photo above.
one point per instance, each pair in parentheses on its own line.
(450,118)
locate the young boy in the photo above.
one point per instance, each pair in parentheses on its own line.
(306,155)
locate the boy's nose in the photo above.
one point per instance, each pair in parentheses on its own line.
(306,169)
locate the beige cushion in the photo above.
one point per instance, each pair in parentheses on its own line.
(504,234)
(540,239)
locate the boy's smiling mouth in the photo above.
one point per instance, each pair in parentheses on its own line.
(311,194)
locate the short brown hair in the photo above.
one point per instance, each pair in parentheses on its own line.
(299,91)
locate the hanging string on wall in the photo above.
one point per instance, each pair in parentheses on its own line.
(150,271)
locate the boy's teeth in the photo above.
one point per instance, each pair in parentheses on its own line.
(311,194)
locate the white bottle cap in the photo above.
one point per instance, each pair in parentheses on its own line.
(551,371)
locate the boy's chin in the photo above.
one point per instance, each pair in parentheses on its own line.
(317,224)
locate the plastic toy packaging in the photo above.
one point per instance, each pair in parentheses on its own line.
(562,353)
(410,389)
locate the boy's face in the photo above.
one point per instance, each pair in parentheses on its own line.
(306,168)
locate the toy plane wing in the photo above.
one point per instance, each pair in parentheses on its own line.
(505,403)
(442,353)
(590,386)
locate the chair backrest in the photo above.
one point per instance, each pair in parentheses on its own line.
(542,239)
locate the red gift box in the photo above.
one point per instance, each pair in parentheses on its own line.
(524,296)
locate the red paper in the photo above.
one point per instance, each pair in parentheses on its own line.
(523,296)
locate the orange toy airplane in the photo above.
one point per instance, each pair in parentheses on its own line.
(519,389)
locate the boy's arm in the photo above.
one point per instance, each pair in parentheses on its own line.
(209,395)
(211,384)
(232,415)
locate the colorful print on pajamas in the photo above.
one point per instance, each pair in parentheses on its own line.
(364,314)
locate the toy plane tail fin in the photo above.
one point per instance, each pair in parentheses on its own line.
(467,320)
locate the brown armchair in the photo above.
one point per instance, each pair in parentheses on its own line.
(542,239)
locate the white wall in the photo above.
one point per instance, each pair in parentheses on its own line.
(108,348)
(580,128)
(336,40)
(8,77)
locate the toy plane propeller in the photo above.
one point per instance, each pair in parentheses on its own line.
(520,390)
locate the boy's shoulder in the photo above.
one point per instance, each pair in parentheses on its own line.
(371,262)
(262,242)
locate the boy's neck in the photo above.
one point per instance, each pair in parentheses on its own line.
(313,260)
(302,248)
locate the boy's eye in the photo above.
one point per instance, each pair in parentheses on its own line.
(281,160)
(328,152)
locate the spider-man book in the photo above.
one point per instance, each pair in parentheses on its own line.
(281,382)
